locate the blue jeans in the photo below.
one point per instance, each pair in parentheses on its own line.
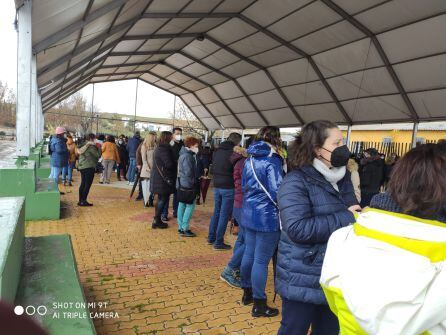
(68,170)
(175,206)
(54,174)
(132,170)
(223,204)
(298,316)
(239,246)
(259,250)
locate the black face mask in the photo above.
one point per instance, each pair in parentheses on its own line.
(339,156)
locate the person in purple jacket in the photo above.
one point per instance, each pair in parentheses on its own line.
(231,273)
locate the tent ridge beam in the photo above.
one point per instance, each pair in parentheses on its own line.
(200,62)
(142,53)
(209,86)
(86,46)
(262,68)
(187,90)
(303,54)
(59,35)
(159,36)
(361,27)
(189,15)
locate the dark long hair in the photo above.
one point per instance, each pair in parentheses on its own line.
(165,137)
(270,134)
(311,137)
(418,181)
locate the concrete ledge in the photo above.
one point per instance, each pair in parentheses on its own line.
(12,228)
(49,276)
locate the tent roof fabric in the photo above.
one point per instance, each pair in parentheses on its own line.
(247,63)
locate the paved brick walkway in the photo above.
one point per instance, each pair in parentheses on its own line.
(158,282)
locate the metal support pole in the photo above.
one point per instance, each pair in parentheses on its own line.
(24,86)
(136,103)
(174,110)
(243,138)
(414,134)
(33,118)
(222,135)
(206,134)
(349,135)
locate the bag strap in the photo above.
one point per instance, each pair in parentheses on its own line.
(159,170)
(261,185)
(265,190)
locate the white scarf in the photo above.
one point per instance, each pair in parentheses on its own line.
(332,175)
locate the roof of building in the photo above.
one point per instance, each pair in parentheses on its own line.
(248,63)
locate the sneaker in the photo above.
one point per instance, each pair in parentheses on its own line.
(181,232)
(189,233)
(70,184)
(164,218)
(64,183)
(211,242)
(101,182)
(223,246)
(261,309)
(228,276)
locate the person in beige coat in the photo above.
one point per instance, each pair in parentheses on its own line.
(353,167)
(147,150)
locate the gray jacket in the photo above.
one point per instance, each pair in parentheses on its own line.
(187,169)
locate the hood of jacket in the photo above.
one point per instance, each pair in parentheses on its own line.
(238,154)
(260,149)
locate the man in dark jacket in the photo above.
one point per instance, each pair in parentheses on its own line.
(223,191)
(132,146)
(176,145)
(371,175)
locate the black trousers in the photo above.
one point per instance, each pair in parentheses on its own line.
(162,200)
(298,316)
(87,176)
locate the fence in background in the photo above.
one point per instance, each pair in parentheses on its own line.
(386,148)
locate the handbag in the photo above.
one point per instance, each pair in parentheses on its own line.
(167,180)
(186,195)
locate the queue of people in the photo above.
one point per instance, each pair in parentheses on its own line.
(322,216)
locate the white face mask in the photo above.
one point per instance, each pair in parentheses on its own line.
(194,149)
(177,138)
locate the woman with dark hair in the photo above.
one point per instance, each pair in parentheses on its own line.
(261,178)
(386,274)
(315,199)
(186,184)
(162,179)
(88,159)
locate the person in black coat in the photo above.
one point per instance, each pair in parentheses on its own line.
(176,144)
(162,180)
(124,158)
(371,175)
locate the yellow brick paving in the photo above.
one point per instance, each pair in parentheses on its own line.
(157,282)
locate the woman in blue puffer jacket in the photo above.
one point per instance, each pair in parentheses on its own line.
(261,178)
(59,154)
(315,199)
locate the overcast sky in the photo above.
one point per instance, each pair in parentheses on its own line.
(116,97)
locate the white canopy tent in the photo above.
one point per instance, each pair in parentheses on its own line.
(245,63)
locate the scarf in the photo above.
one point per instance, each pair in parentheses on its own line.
(332,175)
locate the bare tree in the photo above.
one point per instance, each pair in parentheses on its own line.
(185,119)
